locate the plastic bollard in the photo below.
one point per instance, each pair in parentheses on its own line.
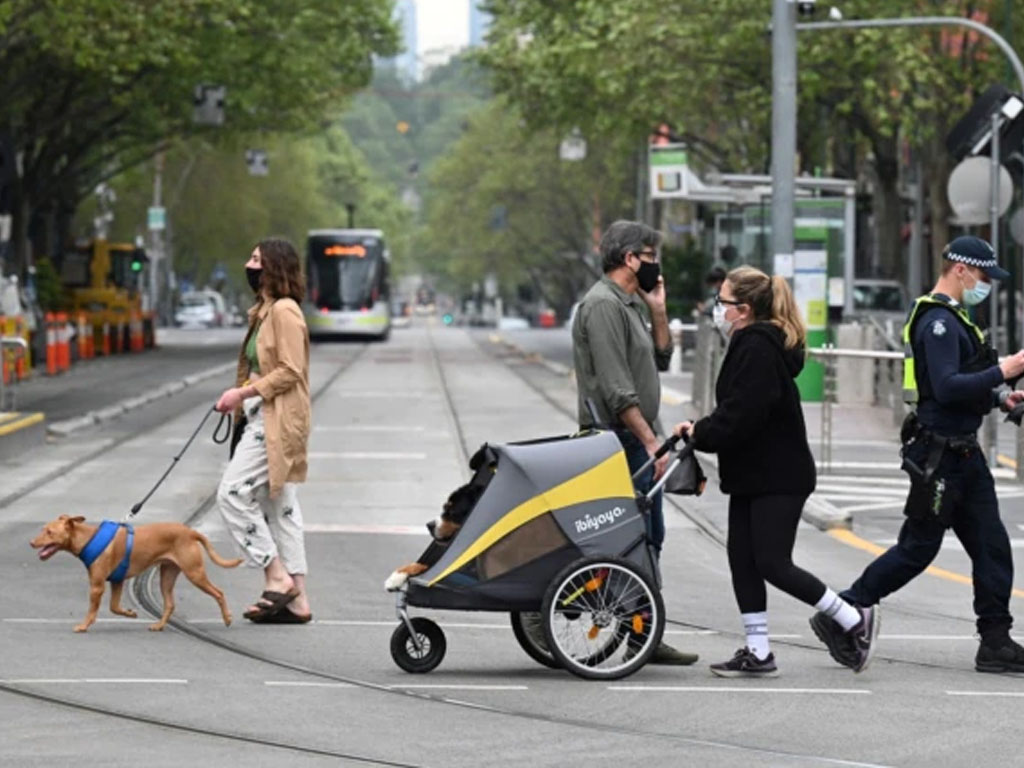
(63,342)
(24,362)
(51,345)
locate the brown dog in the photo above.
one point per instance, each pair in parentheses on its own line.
(456,509)
(175,546)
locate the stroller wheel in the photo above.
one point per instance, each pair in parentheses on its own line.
(431,650)
(528,627)
(603,618)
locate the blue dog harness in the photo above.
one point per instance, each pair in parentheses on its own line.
(101,540)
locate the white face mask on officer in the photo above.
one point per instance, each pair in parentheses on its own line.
(977,293)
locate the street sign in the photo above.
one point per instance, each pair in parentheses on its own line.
(668,171)
(258,162)
(208,104)
(573,147)
(969,190)
(157,218)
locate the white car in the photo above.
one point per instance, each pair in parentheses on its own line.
(200,308)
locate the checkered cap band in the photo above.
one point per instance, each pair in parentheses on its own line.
(973,260)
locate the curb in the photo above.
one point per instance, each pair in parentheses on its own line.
(101,415)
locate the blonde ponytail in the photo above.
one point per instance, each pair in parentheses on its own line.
(771,300)
(786,314)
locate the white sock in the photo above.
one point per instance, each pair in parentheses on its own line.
(837,609)
(756,627)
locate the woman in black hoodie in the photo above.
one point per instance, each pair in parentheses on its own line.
(765,465)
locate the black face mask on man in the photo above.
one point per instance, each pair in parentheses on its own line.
(647,275)
(254,276)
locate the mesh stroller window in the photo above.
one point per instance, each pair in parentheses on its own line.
(528,542)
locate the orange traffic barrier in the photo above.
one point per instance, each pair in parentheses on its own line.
(63,342)
(136,332)
(51,344)
(117,334)
(22,365)
(5,369)
(105,341)
(83,337)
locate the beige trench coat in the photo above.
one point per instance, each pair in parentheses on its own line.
(283,351)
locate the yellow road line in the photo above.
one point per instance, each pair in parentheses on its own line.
(27,421)
(853,540)
(1006,461)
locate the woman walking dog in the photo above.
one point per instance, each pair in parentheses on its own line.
(257,497)
(765,465)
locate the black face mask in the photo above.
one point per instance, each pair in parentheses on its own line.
(647,276)
(254,277)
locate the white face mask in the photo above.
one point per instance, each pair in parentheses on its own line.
(977,293)
(718,316)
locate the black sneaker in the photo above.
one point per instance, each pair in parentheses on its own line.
(666,654)
(864,637)
(745,664)
(999,653)
(839,643)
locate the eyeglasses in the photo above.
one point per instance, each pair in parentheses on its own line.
(640,254)
(720,300)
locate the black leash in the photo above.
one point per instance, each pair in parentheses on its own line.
(218,441)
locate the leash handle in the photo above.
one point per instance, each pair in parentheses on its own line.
(224,417)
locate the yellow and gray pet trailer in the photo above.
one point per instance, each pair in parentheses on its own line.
(558,539)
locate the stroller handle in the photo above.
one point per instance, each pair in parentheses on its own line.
(664,448)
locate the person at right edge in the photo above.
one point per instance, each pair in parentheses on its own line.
(954,378)
(620,340)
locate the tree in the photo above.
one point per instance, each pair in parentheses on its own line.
(94,87)
(503,202)
(618,69)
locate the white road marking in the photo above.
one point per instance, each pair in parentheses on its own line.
(951,542)
(1004,694)
(734,689)
(378,394)
(394,530)
(873,507)
(91,680)
(305,684)
(373,455)
(68,621)
(460,687)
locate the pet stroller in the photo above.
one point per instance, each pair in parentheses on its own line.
(557,538)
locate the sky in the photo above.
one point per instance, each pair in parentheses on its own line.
(442,24)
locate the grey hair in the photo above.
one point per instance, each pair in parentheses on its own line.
(623,237)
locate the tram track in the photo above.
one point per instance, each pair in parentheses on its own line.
(145,592)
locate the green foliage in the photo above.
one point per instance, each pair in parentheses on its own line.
(92,87)
(48,286)
(503,202)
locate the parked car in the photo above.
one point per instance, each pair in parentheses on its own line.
(201,308)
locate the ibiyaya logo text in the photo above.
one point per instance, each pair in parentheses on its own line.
(590,523)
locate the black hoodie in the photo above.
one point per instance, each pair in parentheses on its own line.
(757,428)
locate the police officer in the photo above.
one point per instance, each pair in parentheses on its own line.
(954,378)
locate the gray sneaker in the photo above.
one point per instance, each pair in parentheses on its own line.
(745,664)
(864,636)
(666,654)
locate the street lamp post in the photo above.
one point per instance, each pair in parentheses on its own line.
(783,129)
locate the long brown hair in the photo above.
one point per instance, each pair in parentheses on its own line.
(770,300)
(282,272)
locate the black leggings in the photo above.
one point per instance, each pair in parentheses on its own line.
(762,531)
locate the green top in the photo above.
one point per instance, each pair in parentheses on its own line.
(615,357)
(250,350)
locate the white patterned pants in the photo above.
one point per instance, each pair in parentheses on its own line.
(263,527)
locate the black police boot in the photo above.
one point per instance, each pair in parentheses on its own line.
(998,652)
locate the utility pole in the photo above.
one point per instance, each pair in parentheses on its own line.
(156,226)
(783,132)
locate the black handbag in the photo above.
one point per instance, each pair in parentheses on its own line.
(688,478)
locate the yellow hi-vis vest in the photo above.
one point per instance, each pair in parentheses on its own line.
(921,304)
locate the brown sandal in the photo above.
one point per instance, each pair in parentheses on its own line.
(274,603)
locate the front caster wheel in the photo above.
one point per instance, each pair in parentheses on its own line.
(431,650)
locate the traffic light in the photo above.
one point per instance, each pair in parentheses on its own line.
(138,260)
